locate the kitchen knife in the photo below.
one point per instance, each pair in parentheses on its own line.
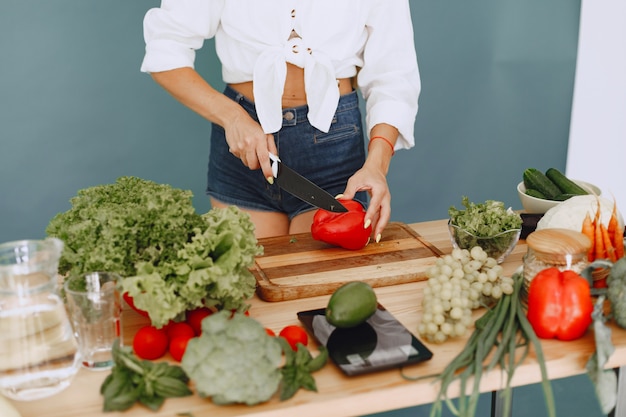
(294,183)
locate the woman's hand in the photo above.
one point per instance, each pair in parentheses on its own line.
(247,141)
(245,137)
(372,179)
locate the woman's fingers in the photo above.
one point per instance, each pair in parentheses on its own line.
(379,209)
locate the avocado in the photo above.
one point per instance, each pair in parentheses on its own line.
(351,304)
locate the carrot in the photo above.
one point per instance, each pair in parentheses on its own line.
(619,243)
(587,230)
(599,249)
(612,227)
(616,236)
(609,250)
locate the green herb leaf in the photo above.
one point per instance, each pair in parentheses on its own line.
(170,387)
(132,380)
(153,402)
(604,380)
(484,219)
(298,368)
(319,361)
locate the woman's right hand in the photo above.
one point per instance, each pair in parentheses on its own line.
(245,136)
(247,141)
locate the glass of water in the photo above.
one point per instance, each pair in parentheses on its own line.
(94,304)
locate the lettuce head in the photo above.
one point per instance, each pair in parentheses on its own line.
(171,258)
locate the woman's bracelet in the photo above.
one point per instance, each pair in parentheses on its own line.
(393,151)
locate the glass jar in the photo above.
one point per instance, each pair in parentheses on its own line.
(38,351)
(561,248)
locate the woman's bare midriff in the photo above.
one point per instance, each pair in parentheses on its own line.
(294,94)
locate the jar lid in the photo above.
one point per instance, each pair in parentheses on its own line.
(553,245)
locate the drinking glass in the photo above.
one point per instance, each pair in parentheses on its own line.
(95,308)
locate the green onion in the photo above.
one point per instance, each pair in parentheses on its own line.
(502,337)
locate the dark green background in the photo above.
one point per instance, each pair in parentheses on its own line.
(75,111)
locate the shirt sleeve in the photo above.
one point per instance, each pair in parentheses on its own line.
(389,79)
(174,31)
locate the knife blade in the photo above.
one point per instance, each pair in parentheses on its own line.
(307,191)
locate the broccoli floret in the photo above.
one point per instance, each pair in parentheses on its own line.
(616,292)
(234,360)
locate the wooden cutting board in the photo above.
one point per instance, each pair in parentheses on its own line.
(297,266)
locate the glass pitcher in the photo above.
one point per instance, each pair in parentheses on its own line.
(38,352)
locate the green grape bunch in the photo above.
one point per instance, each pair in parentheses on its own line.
(459,283)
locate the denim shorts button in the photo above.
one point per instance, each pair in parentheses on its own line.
(288,116)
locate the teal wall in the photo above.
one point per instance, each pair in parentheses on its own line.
(75,112)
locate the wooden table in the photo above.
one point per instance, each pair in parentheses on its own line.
(339,395)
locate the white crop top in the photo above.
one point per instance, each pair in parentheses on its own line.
(254,40)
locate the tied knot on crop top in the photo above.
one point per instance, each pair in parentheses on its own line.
(329,40)
(320,84)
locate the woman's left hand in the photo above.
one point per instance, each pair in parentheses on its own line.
(373,180)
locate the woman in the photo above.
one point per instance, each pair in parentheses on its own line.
(291,68)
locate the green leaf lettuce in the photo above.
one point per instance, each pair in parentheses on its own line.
(172,259)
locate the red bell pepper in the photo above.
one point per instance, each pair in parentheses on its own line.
(559,304)
(342,229)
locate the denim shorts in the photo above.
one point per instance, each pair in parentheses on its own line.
(327,159)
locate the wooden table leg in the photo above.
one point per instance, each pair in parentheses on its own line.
(497,405)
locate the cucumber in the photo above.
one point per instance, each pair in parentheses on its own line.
(566,185)
(563,197)
(534,193)
(537,180)
(351,304)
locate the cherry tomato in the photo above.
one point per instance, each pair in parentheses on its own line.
(176,329)
(178,345)
(195,317)
(234,311)
(293,335)
(129,300)
(150,343)
(270,332)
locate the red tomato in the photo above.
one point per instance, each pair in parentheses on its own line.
(130,302)
(178,345)
(150,343)
(195,317)
(232,313)
(270,332)
(294,335)
(176,329)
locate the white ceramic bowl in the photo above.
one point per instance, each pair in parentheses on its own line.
(539,206)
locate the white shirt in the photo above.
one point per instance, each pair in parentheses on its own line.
(336,37)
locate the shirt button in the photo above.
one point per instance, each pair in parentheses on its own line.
(293,13)
(288,116)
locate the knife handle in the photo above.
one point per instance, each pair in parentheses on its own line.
(275,160)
